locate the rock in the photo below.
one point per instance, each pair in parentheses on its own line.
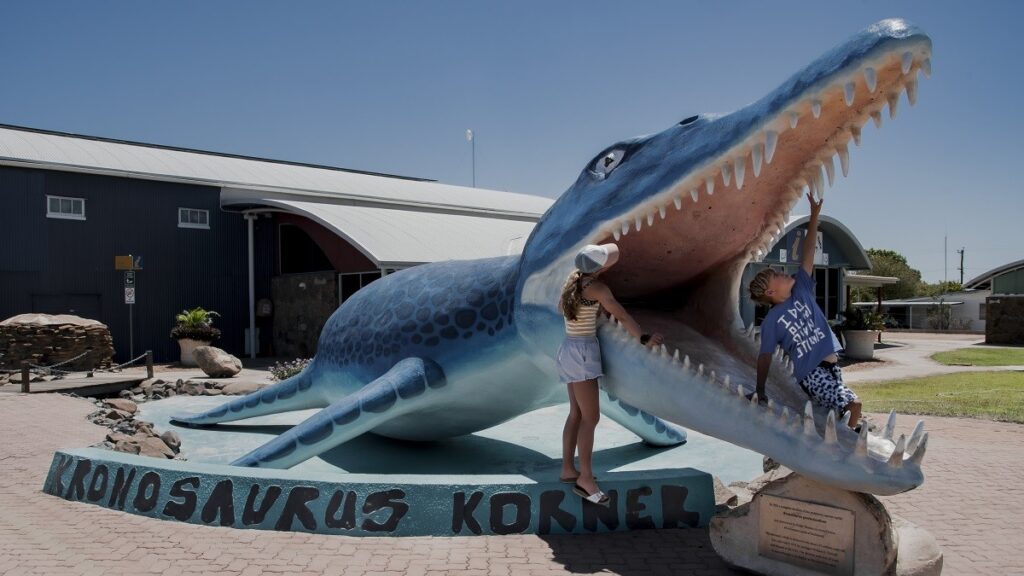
(768,465)
(723,496)
(170,392)
(734,534)
(191,388)
(122,405)
(240,388)
(116,437)
(115,415)
(212,392)
(216,362)
(143,427)
(919,554)
(127,446)
(126,394)
(155,447)
(171,439)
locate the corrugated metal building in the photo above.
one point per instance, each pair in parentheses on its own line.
(314,235)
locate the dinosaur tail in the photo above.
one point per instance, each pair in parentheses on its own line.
(293,393)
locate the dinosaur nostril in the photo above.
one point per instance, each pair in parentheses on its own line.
(689,120)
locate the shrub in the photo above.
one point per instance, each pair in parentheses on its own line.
(196,324)
(288,369)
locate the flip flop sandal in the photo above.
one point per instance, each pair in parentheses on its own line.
(599,498)
(565,480)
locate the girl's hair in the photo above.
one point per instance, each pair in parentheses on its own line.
(759,284)
(572,293)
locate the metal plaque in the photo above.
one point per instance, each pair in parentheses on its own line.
(129,295)
(805,534)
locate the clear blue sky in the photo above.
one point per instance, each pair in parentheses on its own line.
(391,87)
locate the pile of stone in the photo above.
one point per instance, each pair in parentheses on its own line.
(157,389)
(44,340)
(128,434)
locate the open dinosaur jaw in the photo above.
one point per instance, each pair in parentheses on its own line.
(684,250)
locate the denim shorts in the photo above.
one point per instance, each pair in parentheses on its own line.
(579,359)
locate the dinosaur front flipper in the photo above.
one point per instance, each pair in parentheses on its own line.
(399,391)
(651,429)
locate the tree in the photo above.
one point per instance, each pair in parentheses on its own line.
(938,288)
(891,263)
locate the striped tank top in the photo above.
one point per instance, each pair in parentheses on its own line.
(585,323)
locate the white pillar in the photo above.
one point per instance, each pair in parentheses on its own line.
(250,219)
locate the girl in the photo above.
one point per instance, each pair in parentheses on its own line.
(579,360)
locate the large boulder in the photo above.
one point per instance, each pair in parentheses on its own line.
(216,362)
(804,523)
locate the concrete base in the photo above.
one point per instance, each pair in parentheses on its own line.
(882,544)
(503,480)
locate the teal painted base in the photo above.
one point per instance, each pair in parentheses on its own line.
(375,504)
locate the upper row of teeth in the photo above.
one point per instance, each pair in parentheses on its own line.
(760,149)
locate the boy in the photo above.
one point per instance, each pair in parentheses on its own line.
(797,323)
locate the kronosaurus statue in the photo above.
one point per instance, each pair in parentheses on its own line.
(455,347)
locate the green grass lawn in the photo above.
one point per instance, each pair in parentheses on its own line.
(982,357)
(991,395)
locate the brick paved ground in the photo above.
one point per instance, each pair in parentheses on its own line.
(973,501)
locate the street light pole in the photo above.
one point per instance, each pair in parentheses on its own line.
(472,141)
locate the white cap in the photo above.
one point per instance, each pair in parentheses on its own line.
(592,257)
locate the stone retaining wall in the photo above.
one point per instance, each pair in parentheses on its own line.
(45,340)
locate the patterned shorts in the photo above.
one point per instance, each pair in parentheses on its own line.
(825,387)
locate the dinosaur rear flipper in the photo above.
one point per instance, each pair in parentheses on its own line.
(399,391)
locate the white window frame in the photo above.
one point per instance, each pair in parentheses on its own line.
(64,215)
(192,224)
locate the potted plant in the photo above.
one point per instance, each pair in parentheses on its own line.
(860,329)
(194,328)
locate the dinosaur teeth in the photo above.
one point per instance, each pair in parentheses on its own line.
(700,369)
(893,100)
(625,228)
(830,428)
(855,134)
(771,138)
(739,164)
(663,350)
(675,355)
(896,458)
(906,61)
(845,420)
(726,174)
(890,425)
(918,454)
(636,222)
(650,219)
(709,185)
(753,400)
(830,170)
(862,440)
(870,79)
(757,156)
(794,119)
(911,87)
(616,234)
(816,108)
(926,67)
(848,92)
(809,420)
(844,159)
(661,212)
(740,391)
(784,415)
(915,437)
(695,195)
(876,115)
(727,382)
(686,361)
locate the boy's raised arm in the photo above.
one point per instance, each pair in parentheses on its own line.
(807,258)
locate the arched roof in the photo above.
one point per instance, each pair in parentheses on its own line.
(838,232)
(985,280)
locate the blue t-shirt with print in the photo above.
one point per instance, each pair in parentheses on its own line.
(799,325)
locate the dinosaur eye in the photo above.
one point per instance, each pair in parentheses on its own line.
(604,165)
